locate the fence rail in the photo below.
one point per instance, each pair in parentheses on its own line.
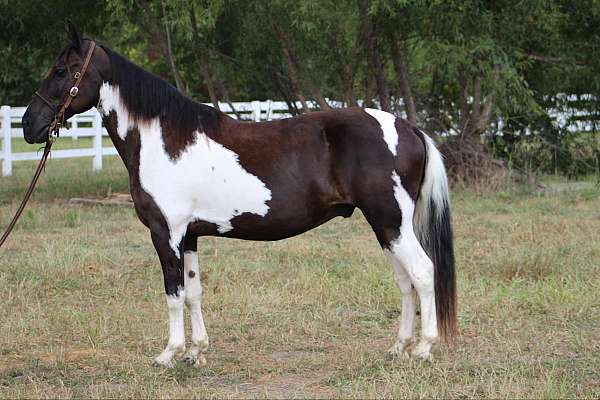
(89,124)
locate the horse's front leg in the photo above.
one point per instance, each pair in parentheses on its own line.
(173,272)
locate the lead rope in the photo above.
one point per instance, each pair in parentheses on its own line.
(36,176)
(52,136)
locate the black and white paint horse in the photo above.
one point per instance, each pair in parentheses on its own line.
(194,171)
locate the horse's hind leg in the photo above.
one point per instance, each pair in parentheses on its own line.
(391,218)
(407,318)
(408,254)
(193,301)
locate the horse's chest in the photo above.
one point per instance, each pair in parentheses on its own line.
(206,182)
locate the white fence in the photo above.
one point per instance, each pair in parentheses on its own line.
(89,124)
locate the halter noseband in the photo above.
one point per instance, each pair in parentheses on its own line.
(68,97)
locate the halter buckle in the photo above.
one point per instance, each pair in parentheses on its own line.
(77,75)
(73,92)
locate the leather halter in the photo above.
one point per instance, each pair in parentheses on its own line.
(59,110)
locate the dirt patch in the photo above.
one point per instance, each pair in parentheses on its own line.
(117,199)
(280,387)
(9,365)
(562,187)
(109,387)
(290,355)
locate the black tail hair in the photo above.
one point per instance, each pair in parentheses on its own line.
(433,223)
(440,248)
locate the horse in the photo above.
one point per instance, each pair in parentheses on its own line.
(194,171)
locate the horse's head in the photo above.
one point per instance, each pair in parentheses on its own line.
(69,88)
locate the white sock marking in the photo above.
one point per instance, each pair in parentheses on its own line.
(176,343)
(193,300)
(407,318)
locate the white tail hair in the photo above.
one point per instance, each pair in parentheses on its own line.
(434,188)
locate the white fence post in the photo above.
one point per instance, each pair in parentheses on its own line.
(256,110)
(97,126)
(269,115)
(7,142)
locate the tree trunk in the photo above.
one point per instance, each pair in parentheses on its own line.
(463,104)
(382,86)
(474,118)
(346,63)
(293,72)
(169,51)
(318,96)
(402,74)
(486,114)
(476,107)
(227,99)
(296,74)
(348,83)
(367,38)
(202,59)
(151,24)
(372,42)
(286,95)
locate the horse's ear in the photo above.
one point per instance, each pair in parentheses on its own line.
(73,34)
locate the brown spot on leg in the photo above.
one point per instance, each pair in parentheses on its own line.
(191,274)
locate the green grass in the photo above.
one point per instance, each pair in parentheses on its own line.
(18,145)
(83,310)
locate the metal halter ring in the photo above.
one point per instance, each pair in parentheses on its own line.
(73,92)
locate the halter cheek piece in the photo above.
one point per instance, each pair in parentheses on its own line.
(61,108)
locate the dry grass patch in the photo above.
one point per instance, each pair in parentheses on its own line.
(83,309)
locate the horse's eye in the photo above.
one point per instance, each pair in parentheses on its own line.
(60,72)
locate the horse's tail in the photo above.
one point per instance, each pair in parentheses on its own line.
(433,227)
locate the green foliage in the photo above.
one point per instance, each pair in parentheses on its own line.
(576,154)
(514,55)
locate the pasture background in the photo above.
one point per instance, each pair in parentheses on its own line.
(83,309)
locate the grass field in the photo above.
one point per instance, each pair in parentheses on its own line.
(82,309)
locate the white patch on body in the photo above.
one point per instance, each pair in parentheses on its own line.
(205,183)
(110,100)
(406,252)
(387,122)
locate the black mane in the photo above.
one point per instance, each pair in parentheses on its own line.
(148,96)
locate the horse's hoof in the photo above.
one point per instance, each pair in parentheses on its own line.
(193,360)
(422,355)
(397,356)
(398,351)
(422,351)
(162,362)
